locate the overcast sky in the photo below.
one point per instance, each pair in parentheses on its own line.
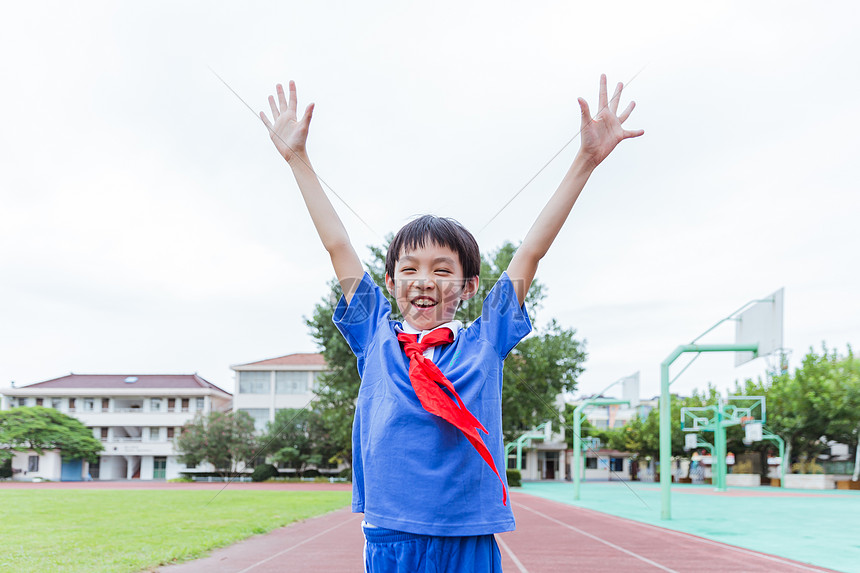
(148,225)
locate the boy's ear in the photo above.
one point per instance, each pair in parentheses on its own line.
(389,284)
(470,288)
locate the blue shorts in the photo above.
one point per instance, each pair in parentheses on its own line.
(389,551)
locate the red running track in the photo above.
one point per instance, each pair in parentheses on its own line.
(550,537)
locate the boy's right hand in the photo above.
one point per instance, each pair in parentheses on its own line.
(288,133)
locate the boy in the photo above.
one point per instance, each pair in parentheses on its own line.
(431,389)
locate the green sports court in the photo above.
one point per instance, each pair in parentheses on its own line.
(819,528)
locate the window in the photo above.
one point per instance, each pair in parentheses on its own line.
(591,463)
(616,464)
(33,463)
(291,382)
(169,433)
(72,403)
(260,416)
(317,382)
(56,403)
(105,404)
(254,382)
(512,461)
(89,404)
(155,404)
(104,434)
(199,404)
(38,401)
(185,404)
(154,434)
(171,404)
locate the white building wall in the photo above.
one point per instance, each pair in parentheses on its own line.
(122,455)
(174,468)
(273,400)
(112,467)
(146,467)
(602,471)
(531,470)
(50,466)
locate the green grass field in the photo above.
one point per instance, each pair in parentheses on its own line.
(132,530)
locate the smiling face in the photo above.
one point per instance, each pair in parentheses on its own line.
(428,285)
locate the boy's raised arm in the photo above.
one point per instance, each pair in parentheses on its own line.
(598,137)
(290,135)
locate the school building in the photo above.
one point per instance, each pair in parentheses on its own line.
(544,453)
(136,417)
(266,386)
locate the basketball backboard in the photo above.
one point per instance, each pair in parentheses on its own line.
(695,419)
(753,432)
(760,324)
(691,441)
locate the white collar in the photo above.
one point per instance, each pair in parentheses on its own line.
(454,325)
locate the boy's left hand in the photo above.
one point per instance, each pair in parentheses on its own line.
(600,135)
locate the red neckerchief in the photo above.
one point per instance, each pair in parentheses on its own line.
(426,379)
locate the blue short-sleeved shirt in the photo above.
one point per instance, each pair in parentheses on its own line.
(413,471)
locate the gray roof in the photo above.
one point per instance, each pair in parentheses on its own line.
(114,381)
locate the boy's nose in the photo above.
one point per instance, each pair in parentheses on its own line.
(426,283)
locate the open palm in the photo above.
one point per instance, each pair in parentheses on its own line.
(288,133)
(600,134)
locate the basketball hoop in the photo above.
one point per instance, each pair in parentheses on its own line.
(752,430)
(690,442)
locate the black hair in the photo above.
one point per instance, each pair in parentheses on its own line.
(443,231)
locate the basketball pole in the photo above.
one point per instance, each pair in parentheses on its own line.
(783,463)
(578,417)
(666,414)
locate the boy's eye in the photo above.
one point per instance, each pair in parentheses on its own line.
(445,271)
(407,269)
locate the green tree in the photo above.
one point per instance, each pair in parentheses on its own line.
(842,409)
(587,430)
(222,439)
(642,435)
(38,429)
(298,438)
(817,403)
(539,369)
(536,371)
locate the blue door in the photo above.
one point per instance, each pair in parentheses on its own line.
(72,470)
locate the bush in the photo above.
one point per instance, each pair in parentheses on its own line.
(311,473)
(264,472)
(515,478)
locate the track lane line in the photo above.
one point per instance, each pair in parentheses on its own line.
(720,544)
(595,538)
(300,543)
(510,553)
